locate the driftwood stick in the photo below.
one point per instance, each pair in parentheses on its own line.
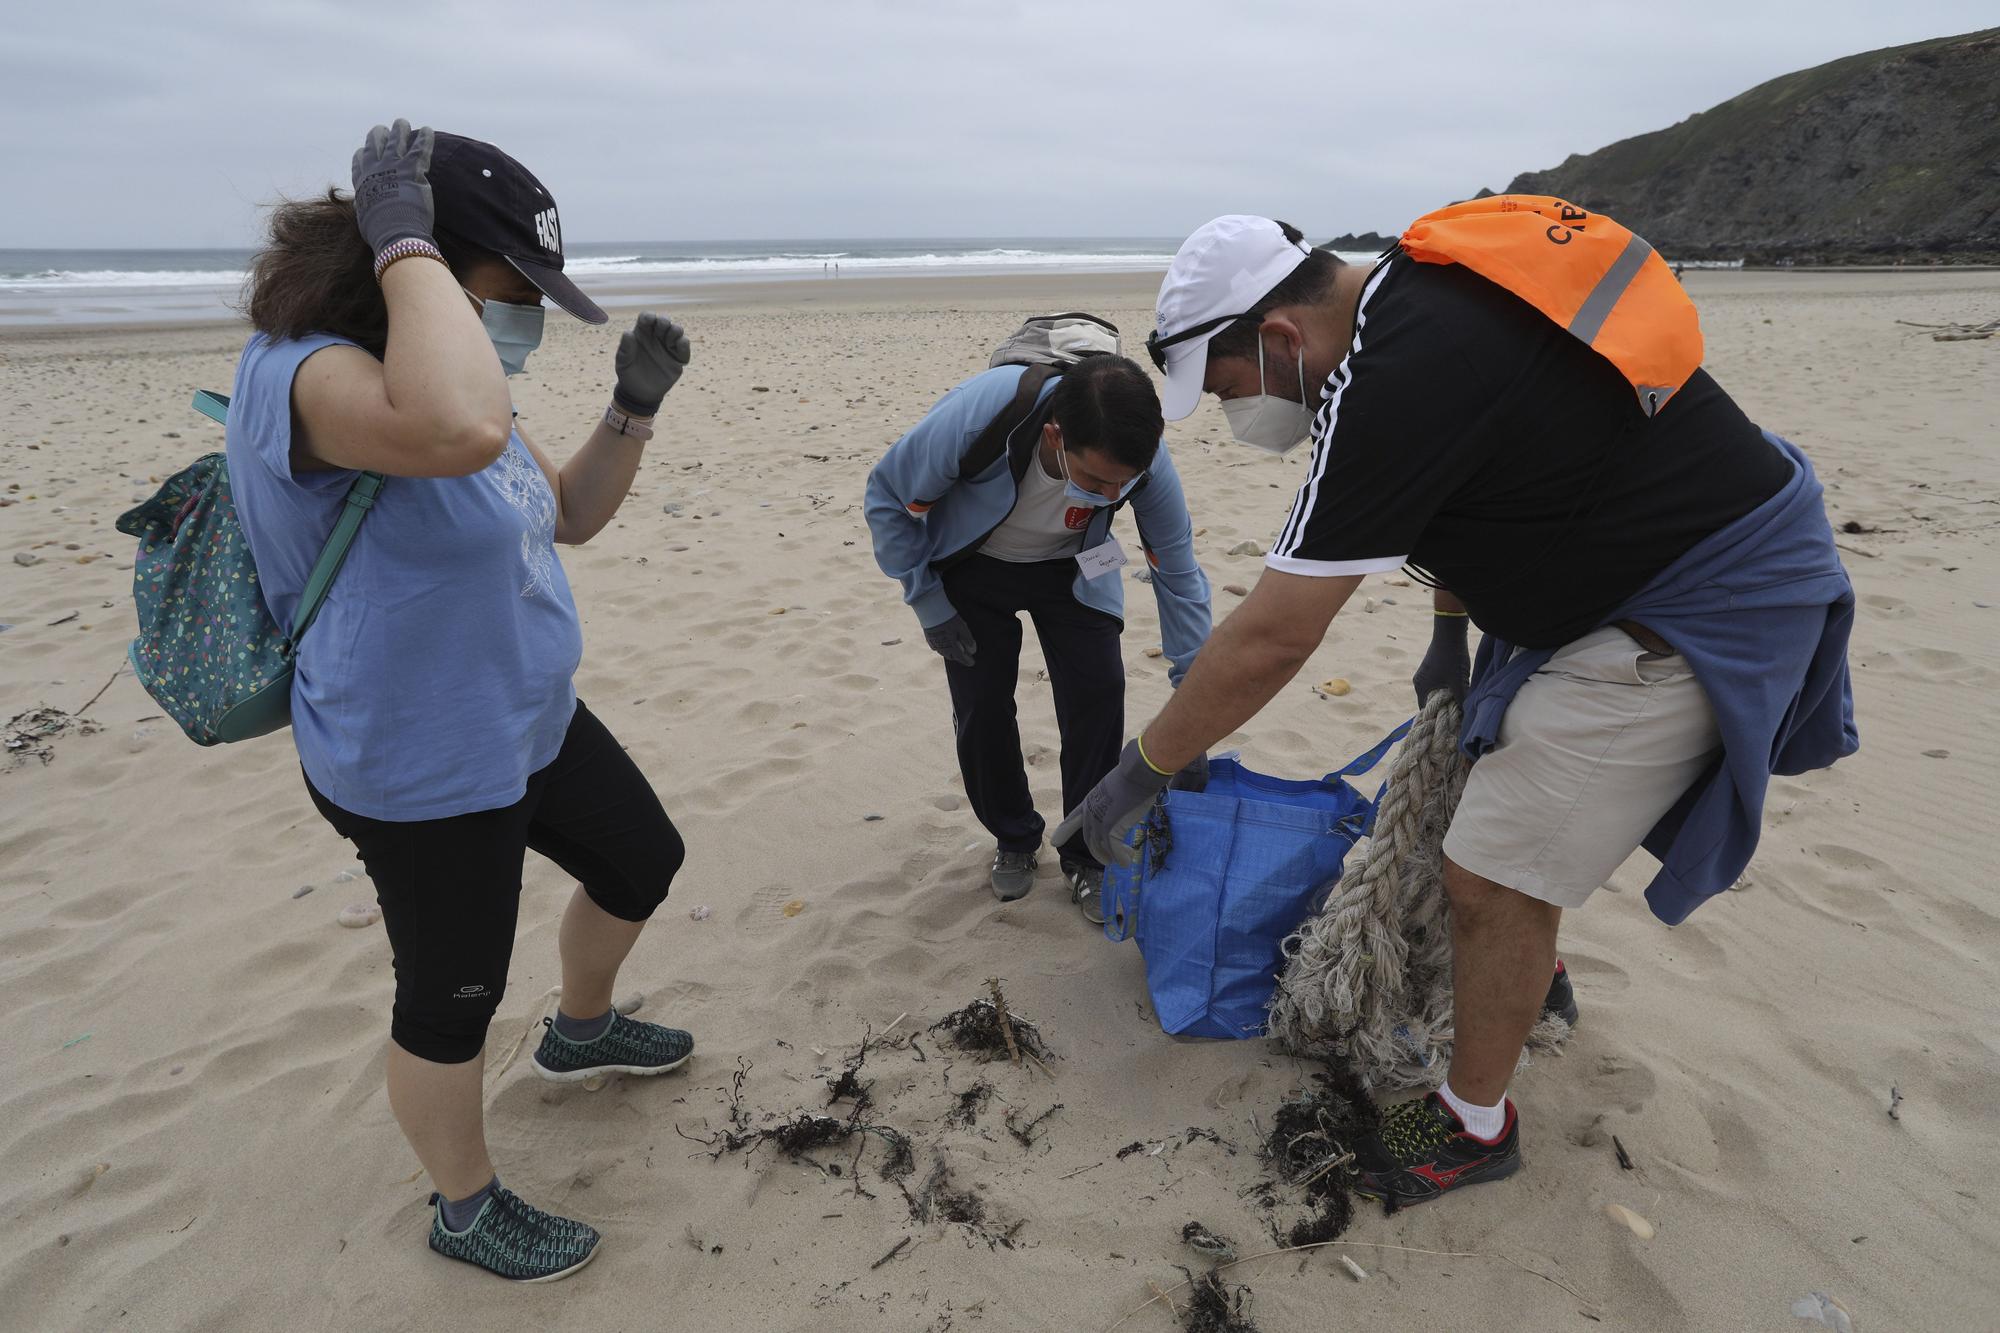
(1006,1023)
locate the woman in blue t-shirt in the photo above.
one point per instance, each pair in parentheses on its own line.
(432,704)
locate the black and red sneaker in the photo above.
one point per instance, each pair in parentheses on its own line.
(1422,1150)
(1561,1000)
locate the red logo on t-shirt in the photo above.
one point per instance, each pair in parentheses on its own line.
(1077,518)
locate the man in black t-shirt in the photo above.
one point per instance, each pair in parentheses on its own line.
(1458,430)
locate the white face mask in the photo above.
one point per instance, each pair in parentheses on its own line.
(1264,421)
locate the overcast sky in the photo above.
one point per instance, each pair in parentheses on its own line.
(134,122)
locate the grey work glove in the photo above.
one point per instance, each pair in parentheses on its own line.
(952,641)
(1446,666)
(651,356)
(1192,777)
(1113,807)
(392,188)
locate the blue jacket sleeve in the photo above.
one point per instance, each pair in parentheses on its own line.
(915,474)
(1179,586)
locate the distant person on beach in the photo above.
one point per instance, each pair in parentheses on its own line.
(1031,532)
(433,707)
(1665,615)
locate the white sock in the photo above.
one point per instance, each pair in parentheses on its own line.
(1482,1122)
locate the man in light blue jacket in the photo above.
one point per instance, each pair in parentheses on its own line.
(981,525)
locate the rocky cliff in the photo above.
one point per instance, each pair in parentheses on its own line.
(1891,155)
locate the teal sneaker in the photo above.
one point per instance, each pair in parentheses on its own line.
(516,1240)
(626,1047)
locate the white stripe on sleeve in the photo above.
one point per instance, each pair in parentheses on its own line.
(1328,569)
(1323,427)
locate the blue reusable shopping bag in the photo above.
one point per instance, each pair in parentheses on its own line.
(1223,876)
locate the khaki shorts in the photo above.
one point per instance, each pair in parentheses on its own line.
(1596,747)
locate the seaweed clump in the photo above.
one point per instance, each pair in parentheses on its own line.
(1214,1308)
(1311,1146)
(983,1028)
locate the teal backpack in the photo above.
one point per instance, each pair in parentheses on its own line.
(208,651)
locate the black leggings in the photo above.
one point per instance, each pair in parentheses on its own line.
(451,888)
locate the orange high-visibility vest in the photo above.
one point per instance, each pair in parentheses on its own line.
(1582,270)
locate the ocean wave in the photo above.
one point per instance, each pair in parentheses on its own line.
(643,265)
(117,279)
(599,268)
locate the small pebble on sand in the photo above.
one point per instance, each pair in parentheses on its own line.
(1333,688)
(357,915)
(795,906)
(301,891)
(871,819)
(701,913)
(632,1003)
(1155,652)
(1246,548)
(25,558)
(1236,589)
(890,643)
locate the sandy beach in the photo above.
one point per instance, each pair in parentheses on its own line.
(193,1130)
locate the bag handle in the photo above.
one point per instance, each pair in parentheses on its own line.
(360,499)
(212,405)
(1361,763)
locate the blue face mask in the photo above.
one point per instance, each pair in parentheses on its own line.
(1076,495)
(515,330)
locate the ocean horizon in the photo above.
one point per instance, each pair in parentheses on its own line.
(66,286)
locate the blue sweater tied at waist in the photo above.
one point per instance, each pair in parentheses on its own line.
(1762,610)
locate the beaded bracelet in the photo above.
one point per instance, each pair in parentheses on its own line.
(406,248)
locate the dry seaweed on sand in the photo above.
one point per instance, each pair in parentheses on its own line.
(965,1109)
(1025,1134)
(1214,1308)
(1311,1146)
(849,1087)
(1320,1125)
(942,1199)
(29,735)
(1201,1240)
(977,1028)
(802,1134)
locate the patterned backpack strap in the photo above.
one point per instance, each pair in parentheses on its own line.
(360,499)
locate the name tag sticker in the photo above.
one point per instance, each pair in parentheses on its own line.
(1101,560)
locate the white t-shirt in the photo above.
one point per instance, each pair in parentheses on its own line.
(1043,525)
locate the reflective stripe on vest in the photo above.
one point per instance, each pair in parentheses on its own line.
(1595,278)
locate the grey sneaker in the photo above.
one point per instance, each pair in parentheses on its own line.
(1013,875)
(1086,889)
(626,1047)
(516,1241)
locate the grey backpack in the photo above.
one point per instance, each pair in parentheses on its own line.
(1047,345)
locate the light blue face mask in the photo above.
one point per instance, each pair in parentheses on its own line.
(1076,495)
(515,330)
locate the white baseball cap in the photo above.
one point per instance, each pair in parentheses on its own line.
(1222,270)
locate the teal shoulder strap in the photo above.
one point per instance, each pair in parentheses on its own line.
(360,498)
(212,405)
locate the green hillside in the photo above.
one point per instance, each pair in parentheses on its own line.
(1892,154)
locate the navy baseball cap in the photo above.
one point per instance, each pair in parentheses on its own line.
(485,198)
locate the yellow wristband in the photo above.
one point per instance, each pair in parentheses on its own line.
(1141,743)
(1459,614)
